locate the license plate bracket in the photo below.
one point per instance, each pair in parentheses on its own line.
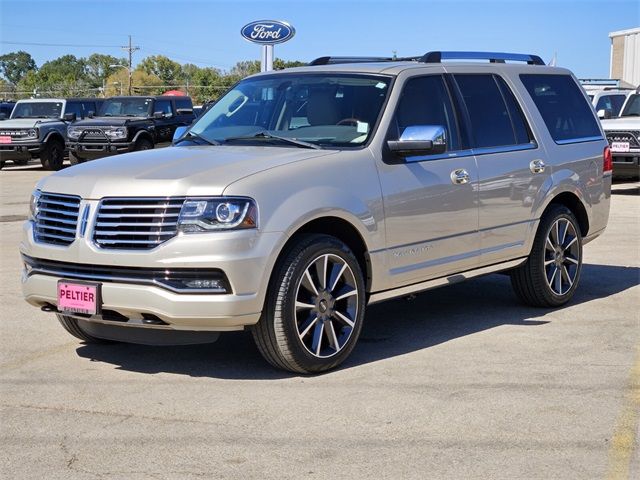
(79,297)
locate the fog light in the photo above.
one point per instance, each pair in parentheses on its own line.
(206,284)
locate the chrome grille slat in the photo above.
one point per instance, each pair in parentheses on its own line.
(56,219)
(136,223)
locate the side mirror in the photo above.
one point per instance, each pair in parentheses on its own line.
(70,117)
(91,114)
(420,140)
(158,115)
(605,114)
(180,131)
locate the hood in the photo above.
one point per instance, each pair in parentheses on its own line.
(25,122)
(621,123)
(172,171)
(105,121)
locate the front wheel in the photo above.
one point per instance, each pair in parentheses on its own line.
(143,144)
(71,325)
(315,307)
(52,155)
(550,275)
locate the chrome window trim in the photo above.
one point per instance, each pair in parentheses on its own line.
(569,141)
(474,151)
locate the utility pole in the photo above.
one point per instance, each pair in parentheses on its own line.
(130,49)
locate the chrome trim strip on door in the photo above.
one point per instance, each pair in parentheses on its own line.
(474,151)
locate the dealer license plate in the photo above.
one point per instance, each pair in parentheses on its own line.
(5,139)
(619,146)
(78,297)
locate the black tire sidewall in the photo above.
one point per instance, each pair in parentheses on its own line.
(539,254)
(143,144)
(48,157)
(288,281)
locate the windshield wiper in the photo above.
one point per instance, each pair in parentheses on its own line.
(189,133)
(269,136)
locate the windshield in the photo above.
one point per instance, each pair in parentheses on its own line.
(37,110)
(126,107)
(632,107)
(321,109)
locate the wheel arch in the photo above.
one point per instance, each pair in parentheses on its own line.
(573,203)
(54,135)
(143,134)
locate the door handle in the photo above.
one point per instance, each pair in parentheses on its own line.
(537,166)
(459,176)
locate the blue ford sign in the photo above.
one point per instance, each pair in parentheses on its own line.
(268,32)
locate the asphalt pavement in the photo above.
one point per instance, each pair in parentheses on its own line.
(461,382)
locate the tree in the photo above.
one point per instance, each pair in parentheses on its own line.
(142,83)
(15,65)
(99,69)
(279,64)
(207,85)
(245,68)
(167,70)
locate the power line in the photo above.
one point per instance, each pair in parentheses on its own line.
(58,44)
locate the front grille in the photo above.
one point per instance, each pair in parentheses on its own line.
(136,223)
(56,218)
(18,134)
(632,137)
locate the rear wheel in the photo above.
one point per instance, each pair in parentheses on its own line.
(550,275)
(52,155)
(71,325)
(314,309)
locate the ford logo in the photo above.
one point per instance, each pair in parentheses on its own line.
(268,32)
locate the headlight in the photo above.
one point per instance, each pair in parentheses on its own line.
(33,204)
(74,132)
(116,133)
(214,214)
(32,133)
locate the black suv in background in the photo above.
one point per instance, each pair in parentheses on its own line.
(127,124)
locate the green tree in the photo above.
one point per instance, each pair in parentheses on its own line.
(280,64)
(207,85)
(98,68)
(142,83)
(245,68)
(167,70)
(65,76)
(15,65)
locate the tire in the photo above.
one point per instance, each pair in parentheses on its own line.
(1,165)
(304,327)
(536,281)
(52,155)
(75,160)
(71,325)
(143,144)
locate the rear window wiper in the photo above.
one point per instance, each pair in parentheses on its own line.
(269,136)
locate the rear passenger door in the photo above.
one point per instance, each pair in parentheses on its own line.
(166,125)
(431,221)
(511,165)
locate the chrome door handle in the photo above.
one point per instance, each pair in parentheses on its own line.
(537,166)
(460,176)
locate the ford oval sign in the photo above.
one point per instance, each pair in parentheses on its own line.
(268,32)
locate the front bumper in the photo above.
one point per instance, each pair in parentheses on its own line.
(626,164)
(92,150)
(244,257)
(20,151)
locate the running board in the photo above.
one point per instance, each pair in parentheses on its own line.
(443,281)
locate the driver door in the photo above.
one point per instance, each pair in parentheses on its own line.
(430,201)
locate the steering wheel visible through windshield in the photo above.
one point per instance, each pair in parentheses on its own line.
(319,109)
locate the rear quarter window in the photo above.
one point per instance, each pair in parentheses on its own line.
(564,109)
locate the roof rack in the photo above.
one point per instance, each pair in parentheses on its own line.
(436,57)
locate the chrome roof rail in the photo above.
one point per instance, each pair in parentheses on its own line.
(493,57)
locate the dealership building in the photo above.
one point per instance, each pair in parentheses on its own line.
(625,56)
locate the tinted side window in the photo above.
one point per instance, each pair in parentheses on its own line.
(163,106)
(183,103)
(518,120)
(490,122)
(74,107)
(565,111)
(425,101)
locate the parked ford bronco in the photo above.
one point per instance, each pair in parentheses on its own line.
(128,124)
(37,128)
(304,195)
(623,134)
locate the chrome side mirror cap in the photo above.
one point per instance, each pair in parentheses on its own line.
(420,140)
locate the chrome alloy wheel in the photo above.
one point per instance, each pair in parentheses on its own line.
(561,256)
(326,305)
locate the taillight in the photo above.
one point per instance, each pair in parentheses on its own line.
(607,160)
